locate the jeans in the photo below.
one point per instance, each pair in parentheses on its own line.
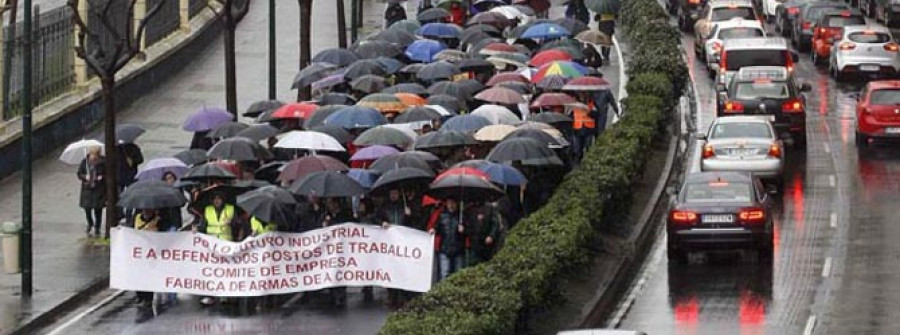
(581,142)
(94,218)
(450,264)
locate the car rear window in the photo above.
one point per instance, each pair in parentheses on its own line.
(843,21)
(772,90)
(869,37)
(740,33)
(816,12)
(741,130)
(737,59)
(728,13)
(717,192)
(885,97)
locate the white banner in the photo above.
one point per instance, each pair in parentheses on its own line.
(344,255)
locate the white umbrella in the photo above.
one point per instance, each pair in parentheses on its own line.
(440,109)
(496,114)
(77,151)
(309,140)
(407,128)
(494,133)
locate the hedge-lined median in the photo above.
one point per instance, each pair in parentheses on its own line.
(495,297)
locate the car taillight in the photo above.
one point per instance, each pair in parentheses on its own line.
(733,106)
(790,68)
(847,46)
(708,151)
(823,30)
(792,106)
(807,25)
(754,216)
(892,47)
(865,110)
(682,218)
(774,151)
(793,10)
(716,46)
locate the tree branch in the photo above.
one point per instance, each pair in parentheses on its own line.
(134,47)
(84,32)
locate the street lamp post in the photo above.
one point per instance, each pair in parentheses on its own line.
(26,151)
(272,50)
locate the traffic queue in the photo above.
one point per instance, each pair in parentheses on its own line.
(751,50)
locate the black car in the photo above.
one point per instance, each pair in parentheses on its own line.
(720,211)
(772,91)
(786,14)
(801,31)
(685,11)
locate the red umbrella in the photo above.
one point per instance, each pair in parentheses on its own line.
(500,95)
(507,76)
(552,99)
(462,171)
(300,110)
(548,56)
(299,168)
(587,83)
(498,48)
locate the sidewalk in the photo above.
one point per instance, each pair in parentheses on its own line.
(66,264)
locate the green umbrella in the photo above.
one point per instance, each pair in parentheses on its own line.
(603,6)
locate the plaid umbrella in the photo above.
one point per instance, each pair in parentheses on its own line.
(594,37)
(383,102)
(553,82)
(500,95)
(552,100)
(507,76)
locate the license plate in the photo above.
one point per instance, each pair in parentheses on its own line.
(869,68)
(718,218)
(892,130)
(742,152)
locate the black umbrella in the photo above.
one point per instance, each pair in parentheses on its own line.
(443,139)
(192,156)
(399,37)
(227,130)
(318,117)
(337,56)
(127,133)
(470,86)
(258,132)
(364,67)
(464,187)
(572,25)
(432,14)
(539,135)
(550,118)
(401,160)
(311,74)
(270,204)
(524,149)
(413,88)
(449,102)
(450,88)
(417,114)
(238,149)
(151,195)
(482,28)
(207,171)
(269,171)
(473,37)
(375,49)
(263,106)
(369,84)
(475,64)
(336,132)
(327,184)
(401,178)
(438,71)
(334,98)
(390,65)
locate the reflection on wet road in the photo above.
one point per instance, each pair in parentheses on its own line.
(837,248)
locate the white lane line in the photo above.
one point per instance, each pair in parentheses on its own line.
(831,181)
(810,325)
(827,148)
(636,289)
(82,315)
(622,79)
(292,301)
(826,269)
(833,220)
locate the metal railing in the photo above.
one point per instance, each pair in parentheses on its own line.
(164,22)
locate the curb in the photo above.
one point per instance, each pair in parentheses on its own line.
(47,318)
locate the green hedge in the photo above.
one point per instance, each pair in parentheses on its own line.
(497,296)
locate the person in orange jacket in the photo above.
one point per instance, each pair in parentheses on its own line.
(457,14)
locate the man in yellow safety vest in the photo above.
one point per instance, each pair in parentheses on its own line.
(218,218)
(258,227)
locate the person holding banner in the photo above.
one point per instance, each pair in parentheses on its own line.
(449,226)
(218,219)
(484,232)
(337,212)
(396,211)
(147,220)
(365,214)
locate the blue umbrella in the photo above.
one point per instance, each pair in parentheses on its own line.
(440,30)
(364,177)
(356,117)
(503,174)
(466,123)
(424,50)
(545,31)
(206,118)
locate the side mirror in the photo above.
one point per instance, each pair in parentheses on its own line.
(805,87)
(700,136)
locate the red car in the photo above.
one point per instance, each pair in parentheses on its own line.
(829,28)
(878,111)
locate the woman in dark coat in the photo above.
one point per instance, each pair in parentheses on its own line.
(91,172)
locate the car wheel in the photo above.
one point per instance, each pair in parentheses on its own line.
(862,140)
(676,256)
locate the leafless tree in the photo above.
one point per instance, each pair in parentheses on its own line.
(106,59)
(232,12)
(305,56)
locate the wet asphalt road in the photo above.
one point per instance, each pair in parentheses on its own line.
(837,256)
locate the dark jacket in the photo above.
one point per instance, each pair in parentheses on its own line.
(577,10)
(394,13)
(452,242)
(479,230)
(130,157)
(308,218)
(93,184)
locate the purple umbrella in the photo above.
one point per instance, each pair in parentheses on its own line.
(206,118)
(155,169)
(374,152)
(330,81)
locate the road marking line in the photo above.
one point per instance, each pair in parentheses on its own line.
(831,180)
(622,79)
(827,148)
(826,269)
(292,301)
(810,325)
(104,302)
(833,220)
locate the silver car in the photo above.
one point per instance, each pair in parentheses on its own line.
(721,32)
(744,143)
(865,50)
